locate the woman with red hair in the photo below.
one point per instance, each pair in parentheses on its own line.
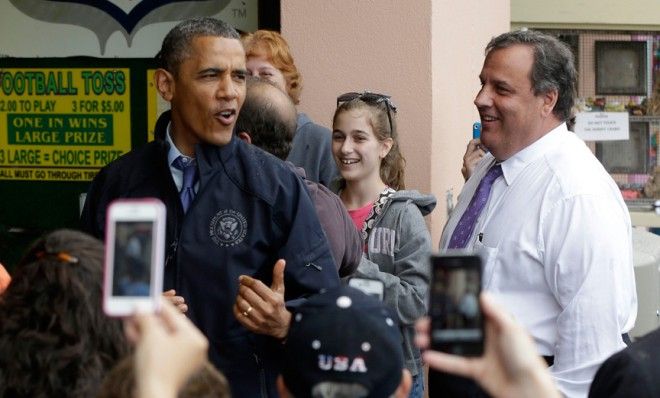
(269,57)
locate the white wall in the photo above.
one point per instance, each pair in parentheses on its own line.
(382,46)
(461,31)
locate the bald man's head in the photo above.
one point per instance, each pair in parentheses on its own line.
(268,117)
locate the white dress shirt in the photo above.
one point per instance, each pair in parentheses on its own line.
(172,155)
(556,240)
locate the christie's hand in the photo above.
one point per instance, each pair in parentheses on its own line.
(262,309)
(473,155)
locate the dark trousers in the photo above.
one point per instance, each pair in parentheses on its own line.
(446,385)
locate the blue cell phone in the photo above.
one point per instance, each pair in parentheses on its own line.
(476,130)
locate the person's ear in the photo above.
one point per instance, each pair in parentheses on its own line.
(403,391)
(164,82)
(245,137)
(549,101)
(386,147)
(281,388)
(289,86)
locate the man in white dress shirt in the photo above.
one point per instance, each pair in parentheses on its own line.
(554,231)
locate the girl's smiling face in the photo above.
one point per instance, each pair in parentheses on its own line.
(356,150)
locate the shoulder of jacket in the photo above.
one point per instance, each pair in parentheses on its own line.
(132,166)
(263,174)
(309,128)
(424,202)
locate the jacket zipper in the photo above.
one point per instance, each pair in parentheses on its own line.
(262,377)
(377,221)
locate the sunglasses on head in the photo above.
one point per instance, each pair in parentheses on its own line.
(370,98)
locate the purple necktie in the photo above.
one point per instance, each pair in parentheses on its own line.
(463,230)
(189,168)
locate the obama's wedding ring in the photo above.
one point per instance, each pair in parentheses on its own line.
(247,312)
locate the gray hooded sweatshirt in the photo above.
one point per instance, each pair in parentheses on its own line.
(398,249)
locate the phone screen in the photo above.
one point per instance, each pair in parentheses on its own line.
(456,318)
(132,258)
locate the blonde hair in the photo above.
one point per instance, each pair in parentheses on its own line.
(392,166)
(272,46)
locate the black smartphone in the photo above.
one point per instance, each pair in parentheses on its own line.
(456,317)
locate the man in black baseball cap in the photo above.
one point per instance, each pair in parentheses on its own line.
(343,343)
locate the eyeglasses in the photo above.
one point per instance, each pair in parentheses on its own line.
(372,99)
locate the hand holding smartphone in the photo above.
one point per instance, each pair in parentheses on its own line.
(134,253)
(456,316)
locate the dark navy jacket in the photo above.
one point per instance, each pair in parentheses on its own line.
(631,372)
(249,211)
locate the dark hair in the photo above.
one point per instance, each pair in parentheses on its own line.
(55,340)
(553,69)
(207,382)
(393,165)
(176,45)
(270,121)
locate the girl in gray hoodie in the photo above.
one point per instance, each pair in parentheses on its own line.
(396,241)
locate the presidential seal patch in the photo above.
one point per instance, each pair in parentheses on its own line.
(228,228)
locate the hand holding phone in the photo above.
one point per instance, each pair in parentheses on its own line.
(134,253)
(473,153)
(510,365)
(455,311)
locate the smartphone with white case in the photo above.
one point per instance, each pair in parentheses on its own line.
(134,254)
